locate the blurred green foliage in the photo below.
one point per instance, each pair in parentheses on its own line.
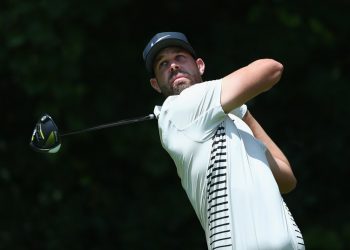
(80,61)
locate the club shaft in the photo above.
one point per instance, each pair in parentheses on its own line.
(113,124)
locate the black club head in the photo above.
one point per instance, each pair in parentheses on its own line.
(45,137)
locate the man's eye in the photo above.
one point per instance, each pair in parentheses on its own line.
(163,64)
(180,58)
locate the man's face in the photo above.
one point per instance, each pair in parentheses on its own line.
(175,70)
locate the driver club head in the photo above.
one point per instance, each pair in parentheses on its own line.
(45,137)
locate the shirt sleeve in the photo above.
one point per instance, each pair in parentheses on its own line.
(197,110)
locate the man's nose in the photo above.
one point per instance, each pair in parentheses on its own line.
(174,66)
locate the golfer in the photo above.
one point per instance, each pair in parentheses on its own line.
(232,171)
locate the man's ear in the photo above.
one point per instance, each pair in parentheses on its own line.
(154,84)
(201,65)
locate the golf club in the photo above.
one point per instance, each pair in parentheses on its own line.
(47,139)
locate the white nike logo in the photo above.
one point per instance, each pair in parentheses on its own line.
(161,38)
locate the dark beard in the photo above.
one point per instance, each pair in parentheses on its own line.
(175,90)
(179,87)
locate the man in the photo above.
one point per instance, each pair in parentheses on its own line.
(232,171)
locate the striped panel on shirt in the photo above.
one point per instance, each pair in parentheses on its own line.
(217,194)
(299,237)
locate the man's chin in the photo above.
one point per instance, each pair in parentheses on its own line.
(180,87)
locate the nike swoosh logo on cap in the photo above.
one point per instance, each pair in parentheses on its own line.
(161,38)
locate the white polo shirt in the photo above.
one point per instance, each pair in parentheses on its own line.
(225,173)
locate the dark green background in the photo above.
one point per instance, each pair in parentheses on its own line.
(80,61)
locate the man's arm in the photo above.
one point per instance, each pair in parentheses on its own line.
(248,82)
(243,85)
(278,162)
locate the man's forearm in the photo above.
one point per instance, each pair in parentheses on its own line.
(279,163)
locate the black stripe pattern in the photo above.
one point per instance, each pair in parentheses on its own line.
(299,237)
(217,197)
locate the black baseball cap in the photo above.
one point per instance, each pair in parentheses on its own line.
(161,41)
